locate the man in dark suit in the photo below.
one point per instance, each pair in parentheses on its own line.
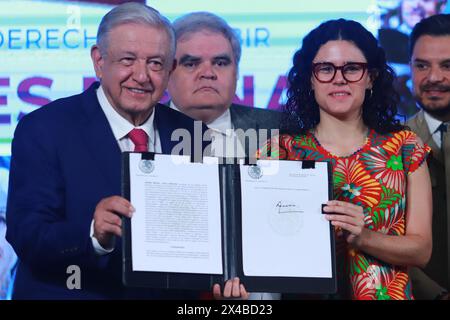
(203,85)
(430,64)
(394,37)
(64,208)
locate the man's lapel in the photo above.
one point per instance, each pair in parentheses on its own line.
(165,128)
(100,140)
(420,126)
(242,120)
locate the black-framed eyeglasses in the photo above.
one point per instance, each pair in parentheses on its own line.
(326,71)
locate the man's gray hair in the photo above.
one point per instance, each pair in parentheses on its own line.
(200,21)
(132,12)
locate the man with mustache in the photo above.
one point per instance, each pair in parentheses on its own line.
(203,85)
(430,64)
(394,39)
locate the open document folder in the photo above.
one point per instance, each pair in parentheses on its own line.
(197,224)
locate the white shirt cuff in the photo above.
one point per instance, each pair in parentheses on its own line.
(97,246)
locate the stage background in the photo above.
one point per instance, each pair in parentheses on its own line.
(45,55)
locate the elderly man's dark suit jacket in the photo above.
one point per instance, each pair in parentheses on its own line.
(425,285)
(246,118)
(65,159)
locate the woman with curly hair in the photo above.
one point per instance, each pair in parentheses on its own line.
(341,108)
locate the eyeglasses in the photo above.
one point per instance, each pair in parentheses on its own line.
(326,71)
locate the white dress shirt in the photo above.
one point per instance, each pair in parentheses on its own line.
(120,128)
(225,142)
(433,125)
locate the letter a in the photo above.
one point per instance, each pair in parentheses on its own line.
(74,280)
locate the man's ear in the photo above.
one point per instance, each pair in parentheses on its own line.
(97,61)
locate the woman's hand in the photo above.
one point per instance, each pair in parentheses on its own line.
(349,217)
(232,289)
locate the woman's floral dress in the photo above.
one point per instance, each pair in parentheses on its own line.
(375,178)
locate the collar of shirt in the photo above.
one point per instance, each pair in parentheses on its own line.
(222,124)
(433,125)
(121,126)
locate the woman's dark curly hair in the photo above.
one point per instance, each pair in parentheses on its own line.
(379,107)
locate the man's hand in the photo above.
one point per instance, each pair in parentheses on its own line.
(107,219)
(233,289)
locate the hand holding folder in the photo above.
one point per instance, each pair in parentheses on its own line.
(197,224)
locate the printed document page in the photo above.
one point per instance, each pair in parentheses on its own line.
(177,223)
(284,233)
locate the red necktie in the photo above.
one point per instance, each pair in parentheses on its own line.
(140,139)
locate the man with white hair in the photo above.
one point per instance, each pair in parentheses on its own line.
(64,207)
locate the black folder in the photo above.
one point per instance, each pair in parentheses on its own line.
(232,253)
